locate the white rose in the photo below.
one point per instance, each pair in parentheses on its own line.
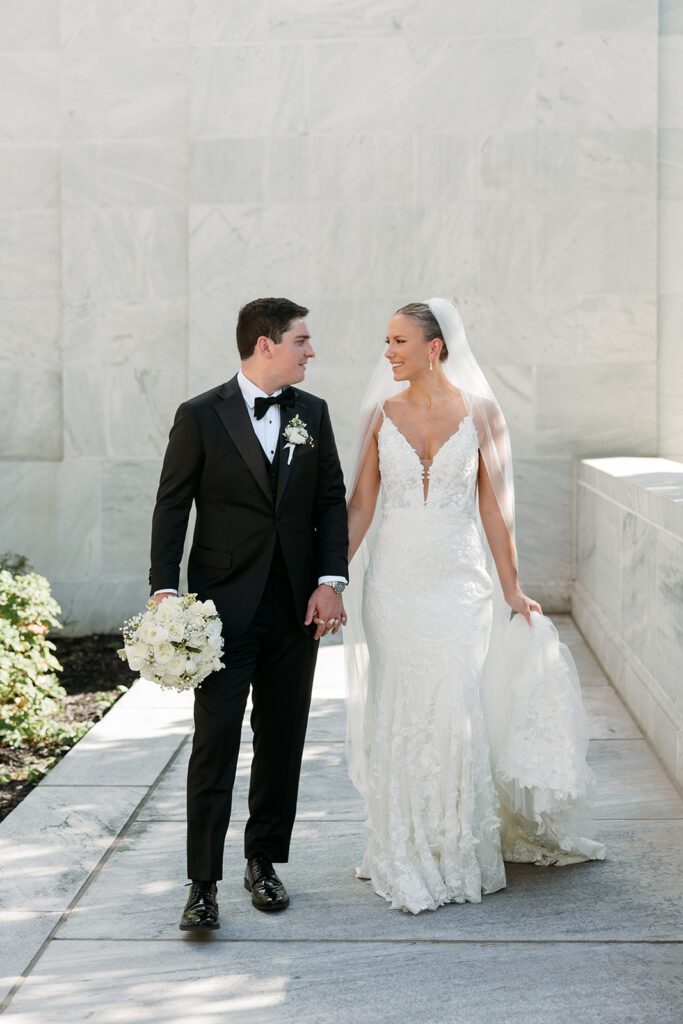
(150,632)
(297,436)
(209,608)
(175,630)
(215,642)
(163,652)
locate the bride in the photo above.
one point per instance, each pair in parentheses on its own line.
(466,736)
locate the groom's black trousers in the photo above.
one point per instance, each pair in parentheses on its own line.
(277,658)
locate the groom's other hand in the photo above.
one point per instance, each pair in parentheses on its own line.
(326,609)
(161,595)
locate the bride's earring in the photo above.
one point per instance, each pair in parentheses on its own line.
(431,365)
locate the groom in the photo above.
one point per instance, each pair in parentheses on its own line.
(258,459)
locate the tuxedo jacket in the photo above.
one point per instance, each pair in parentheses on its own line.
(215,459)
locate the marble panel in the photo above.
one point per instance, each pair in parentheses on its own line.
(136,335)
(128,746)
(504,235)
(78,518)
(239,251)
(29,25)
(137,174)
(291,983)
(29,177)
(127,24)
(342,168)
(351,19)
(670,411)
(446,251)
(612,162)
(212,351)
(670,245)
(619,15)
(612,405)
(215,24)
(656,721)
(586,517)
(54,839)
(115,254)
(497,75)
(27,511)
(232,170)
(101,605)
(83,405)
(139,408)
(127,93)
(670,154)
(526,164)
(30,335)
(670,17)
(513,386)
(446,166)
(543,490)
(671,81)
(608,561)
(528,328)
(669,620)
(231,94)
(596,246)
(30,255)
(598,81)
(128,492)
(22,933)
(29,86)
(490,18)
(31,401)
(639,612)
(133,898)
(616,328)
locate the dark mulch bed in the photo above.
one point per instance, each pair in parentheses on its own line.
(94,678)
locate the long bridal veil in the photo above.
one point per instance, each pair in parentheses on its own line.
(531,696)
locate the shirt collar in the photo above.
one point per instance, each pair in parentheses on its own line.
(250,390)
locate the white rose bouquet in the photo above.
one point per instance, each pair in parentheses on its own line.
(176,644)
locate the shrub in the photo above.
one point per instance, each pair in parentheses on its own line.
(30,694)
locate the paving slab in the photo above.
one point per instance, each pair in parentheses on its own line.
(635,894)
(608,718)
(368,983)
(127,745)
(630,784)
(21,934)
(52,841)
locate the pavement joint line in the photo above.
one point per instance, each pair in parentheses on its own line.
(28,969)
(387,942)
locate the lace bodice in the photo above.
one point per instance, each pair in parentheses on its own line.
(451,479)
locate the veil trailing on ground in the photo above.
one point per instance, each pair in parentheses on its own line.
(536,799)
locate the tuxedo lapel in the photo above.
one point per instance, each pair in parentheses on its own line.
(286,464)
(233,412)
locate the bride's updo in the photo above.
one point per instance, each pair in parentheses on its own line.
(420,312)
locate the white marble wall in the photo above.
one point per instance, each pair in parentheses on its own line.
(670,390)
(628,593)
(163,161)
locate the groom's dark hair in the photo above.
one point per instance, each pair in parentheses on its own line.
(268,317)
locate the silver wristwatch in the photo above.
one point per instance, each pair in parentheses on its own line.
(337,585)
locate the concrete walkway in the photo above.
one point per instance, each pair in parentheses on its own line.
(93,874)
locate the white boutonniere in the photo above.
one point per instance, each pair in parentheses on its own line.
(296,433)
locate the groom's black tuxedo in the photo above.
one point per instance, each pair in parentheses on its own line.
(264,533)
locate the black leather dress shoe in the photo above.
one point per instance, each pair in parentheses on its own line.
(201,909)
(267,891)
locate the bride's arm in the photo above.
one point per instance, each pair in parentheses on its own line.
(502,547)
(364,498)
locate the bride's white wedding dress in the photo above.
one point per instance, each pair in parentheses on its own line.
(433,817)
(433,834)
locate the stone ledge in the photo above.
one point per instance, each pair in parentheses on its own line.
(650,487)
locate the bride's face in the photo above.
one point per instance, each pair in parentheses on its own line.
(407,349)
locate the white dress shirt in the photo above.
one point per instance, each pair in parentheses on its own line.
(267,430)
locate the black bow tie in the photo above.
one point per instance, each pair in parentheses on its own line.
(285,399)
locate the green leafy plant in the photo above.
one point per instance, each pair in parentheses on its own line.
(30,694)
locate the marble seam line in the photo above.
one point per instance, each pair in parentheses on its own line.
(89,879)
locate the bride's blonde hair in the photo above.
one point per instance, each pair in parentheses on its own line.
(422,314)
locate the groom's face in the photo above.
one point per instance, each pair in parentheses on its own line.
(292,353)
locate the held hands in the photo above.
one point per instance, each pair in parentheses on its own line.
(326,609)
(519,602)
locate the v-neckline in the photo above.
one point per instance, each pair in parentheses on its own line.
(439,450)
(426,470)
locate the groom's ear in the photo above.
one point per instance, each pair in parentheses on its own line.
(264,346)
